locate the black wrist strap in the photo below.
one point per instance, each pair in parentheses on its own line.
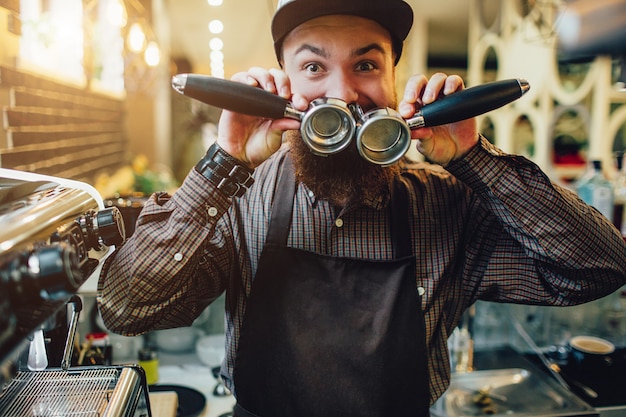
(228,174)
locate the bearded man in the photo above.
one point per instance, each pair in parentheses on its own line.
(344,278)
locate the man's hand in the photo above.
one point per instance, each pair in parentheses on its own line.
(253,139)
(440,144)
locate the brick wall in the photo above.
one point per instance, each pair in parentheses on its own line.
(56,129)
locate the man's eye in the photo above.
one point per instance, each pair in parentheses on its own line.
(313,67)
(365,66)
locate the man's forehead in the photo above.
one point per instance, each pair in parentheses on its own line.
(364,35)
(341,22)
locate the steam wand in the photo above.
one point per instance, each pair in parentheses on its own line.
(77,306)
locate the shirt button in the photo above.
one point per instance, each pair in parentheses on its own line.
(339,222)
(178,257)
(311,194)
(421,291)
(212,211)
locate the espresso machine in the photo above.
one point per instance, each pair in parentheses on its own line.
(55,234)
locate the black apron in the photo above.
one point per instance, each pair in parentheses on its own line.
(325,336)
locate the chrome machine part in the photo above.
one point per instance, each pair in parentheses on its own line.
(383,136)
(103,228)
(92,391)
(328,126)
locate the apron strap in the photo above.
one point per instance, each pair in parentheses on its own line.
(399,214)
(282,206)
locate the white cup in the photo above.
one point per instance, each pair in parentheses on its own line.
(593,345)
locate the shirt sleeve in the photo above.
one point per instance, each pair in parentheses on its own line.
(153,281)
(533,241)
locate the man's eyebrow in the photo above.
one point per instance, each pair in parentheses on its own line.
(356,53)
(314,49)
(371,47)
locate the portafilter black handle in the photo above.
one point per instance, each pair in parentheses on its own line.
(233,96)
(470,102)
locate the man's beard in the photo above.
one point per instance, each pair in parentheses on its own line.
(341,178)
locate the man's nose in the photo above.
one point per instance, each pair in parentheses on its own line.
(343,87)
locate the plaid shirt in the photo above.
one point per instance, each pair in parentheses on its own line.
(491,227)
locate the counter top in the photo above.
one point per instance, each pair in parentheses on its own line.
(610,384)
(185,369)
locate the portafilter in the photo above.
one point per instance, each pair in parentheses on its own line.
(329,125)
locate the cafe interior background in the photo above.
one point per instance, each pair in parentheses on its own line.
(96,79)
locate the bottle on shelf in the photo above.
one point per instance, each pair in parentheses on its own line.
(596,190)
(149,359)
(619,191)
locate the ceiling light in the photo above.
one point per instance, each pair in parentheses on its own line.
(216,44)
(216,26)
(136,38)
(152,55)
(217,56)
(215,2)
(217,70)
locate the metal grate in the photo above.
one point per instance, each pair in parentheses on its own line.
(83,393)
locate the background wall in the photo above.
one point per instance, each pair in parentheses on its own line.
(574,98)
